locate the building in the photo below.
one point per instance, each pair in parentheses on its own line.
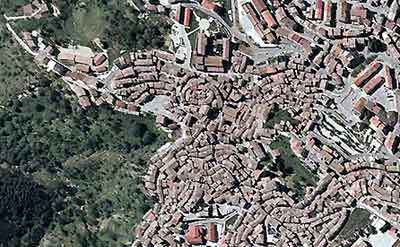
(392,142)
(213,61)
(319,8)
(269,19)
(201,44)
(212,234)
(99,59)
(178,14)
(83,60)
(367,73)
(373,84)
(195,234)
(343,14)
(359,105)
(389,78)
(327,16)
(186,18)
(226,52)
(66,57)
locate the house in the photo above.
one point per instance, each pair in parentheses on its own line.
(195,234)
(186,17)
(251,13)
(213,61)
(358,13)
(201,44)
(99,59)
(27,10)
(66,57)
(259,5)
(392,142)
(359,105)
(327,13)
(212,234)
(230,114)
(389,78)
(226,52)
(210,5)
(367,73)
(269,18)
(373,84)
(83,60)
(319,5)
(343,11)
(178,14)
(83,68)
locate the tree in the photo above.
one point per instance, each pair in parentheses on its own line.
(375,45)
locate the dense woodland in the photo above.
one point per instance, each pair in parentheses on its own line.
(25,209)
(71,176)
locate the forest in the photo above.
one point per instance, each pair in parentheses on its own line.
(72,176)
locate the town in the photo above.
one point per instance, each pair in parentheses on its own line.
(284,117)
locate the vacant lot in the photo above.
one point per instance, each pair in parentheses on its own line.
(87,22)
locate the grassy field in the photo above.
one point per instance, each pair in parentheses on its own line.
(86,23)
(292,167)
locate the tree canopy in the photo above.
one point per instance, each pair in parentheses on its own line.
(72,176)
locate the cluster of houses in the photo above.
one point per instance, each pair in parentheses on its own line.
(378,76)
(262,19)
(205,58)
(220,107)
(346,13)
(214,110)
(176,175)
(85,62)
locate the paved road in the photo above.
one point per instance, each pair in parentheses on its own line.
(23,17)
(108,80)
(232,32)
(184,35)
(132,3)
(20,41)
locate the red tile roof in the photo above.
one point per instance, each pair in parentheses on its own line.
(186,19)
(194,235)
(269,19)
(366,73)
(212,234)
(319,5)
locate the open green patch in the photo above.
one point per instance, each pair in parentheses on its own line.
(357,221)
(276,116)
(87,22)
(292,167)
